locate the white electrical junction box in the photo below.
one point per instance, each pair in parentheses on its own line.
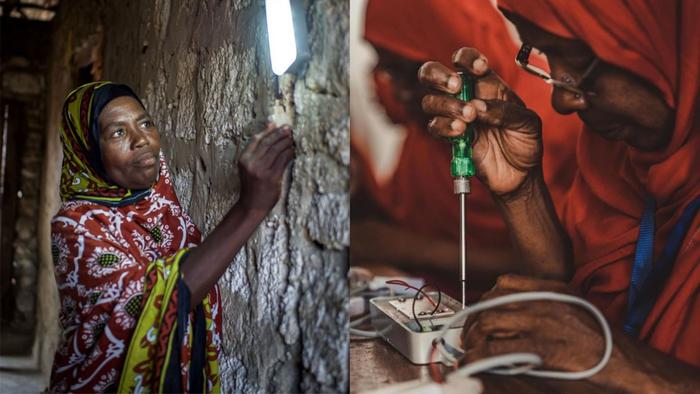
(393,319)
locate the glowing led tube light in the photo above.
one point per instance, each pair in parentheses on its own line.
(280,32)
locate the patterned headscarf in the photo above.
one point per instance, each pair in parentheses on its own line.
(83,176)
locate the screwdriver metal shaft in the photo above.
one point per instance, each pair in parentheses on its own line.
(461,168)
(463,246)
(462,187)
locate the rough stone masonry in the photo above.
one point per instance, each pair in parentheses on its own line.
(202,68)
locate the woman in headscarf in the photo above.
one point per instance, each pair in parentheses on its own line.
(629,234)
(140,308)
(418,197)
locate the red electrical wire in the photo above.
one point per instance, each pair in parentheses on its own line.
(434,369)
(408,286)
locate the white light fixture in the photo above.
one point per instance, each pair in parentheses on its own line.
(280,32)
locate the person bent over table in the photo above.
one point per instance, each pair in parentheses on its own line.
(628,237)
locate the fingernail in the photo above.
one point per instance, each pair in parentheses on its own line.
(454,82)
(479,65)
(432,122)
(456,125)
(479,105)
(468,111)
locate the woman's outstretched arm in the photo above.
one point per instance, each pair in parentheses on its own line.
(261,167)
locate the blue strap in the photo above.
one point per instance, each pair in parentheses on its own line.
(648,279)
(644,253)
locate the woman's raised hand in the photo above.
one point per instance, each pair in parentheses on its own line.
(261,167)
(508,143)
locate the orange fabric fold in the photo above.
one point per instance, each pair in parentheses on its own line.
(658,41)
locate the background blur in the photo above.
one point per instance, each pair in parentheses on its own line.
(405,217)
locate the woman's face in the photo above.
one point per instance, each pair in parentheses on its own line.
(130,144)
(624,106)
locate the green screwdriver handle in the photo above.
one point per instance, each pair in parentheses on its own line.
(462,164)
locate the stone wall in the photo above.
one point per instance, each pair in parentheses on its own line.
(25,245)
(24,86)
(28,87)
(202,69)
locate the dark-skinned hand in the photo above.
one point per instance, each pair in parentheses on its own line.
(262,165)
(508,143)
(565,336)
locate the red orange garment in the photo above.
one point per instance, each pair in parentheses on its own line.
(101,256)
(658,41)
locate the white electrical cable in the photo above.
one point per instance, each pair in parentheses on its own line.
(529,361)
(358,290)
(509,360)
(364,333)
(360,321)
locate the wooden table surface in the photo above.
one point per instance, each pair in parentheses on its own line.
(374,363)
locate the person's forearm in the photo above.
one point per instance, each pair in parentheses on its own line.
(207,262)
(636,367)
(538,237)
